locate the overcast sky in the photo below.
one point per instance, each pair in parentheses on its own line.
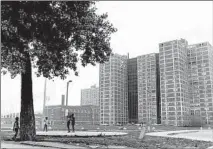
(141,26)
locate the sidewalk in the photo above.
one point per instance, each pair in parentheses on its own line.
(11,144)
(79,133)
(69,146)
(201,135)
(52,144)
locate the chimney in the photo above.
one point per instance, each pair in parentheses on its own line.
(62,100)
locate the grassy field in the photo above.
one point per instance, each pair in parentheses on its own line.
(130,140)
(148,142)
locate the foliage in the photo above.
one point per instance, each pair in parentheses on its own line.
(56,34)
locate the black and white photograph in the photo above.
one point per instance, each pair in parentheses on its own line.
(107,74)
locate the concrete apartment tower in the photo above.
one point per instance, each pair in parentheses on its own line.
(175,108)
(148,89)
(90,96)
(113,90)
(132,91)
(200,65)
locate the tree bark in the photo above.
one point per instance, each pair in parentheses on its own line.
(27,117)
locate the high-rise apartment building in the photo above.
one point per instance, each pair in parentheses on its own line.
(90,96)
(174,86)
(113,90)
(148,88)
(200,65)
(132,91)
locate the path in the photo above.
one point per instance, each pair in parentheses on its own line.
(11,144)
(79,133)
(202,135)
(53,145)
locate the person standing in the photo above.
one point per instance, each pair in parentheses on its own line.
(68,123)
(73,122)
(46,122)
(15,128)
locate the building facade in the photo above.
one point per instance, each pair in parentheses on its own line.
(148,88)
(57,115)
(90,96)
(174,86)
(113,90)
(132,91)
(200,65)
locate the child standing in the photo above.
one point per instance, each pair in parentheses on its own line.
(15,128)
(46,122)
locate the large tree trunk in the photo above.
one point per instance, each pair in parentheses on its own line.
(27,118)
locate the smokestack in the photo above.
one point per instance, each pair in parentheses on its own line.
(62,100)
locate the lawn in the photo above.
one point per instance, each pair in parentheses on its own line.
(130,140)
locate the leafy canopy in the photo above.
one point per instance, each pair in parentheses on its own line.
(53,34)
